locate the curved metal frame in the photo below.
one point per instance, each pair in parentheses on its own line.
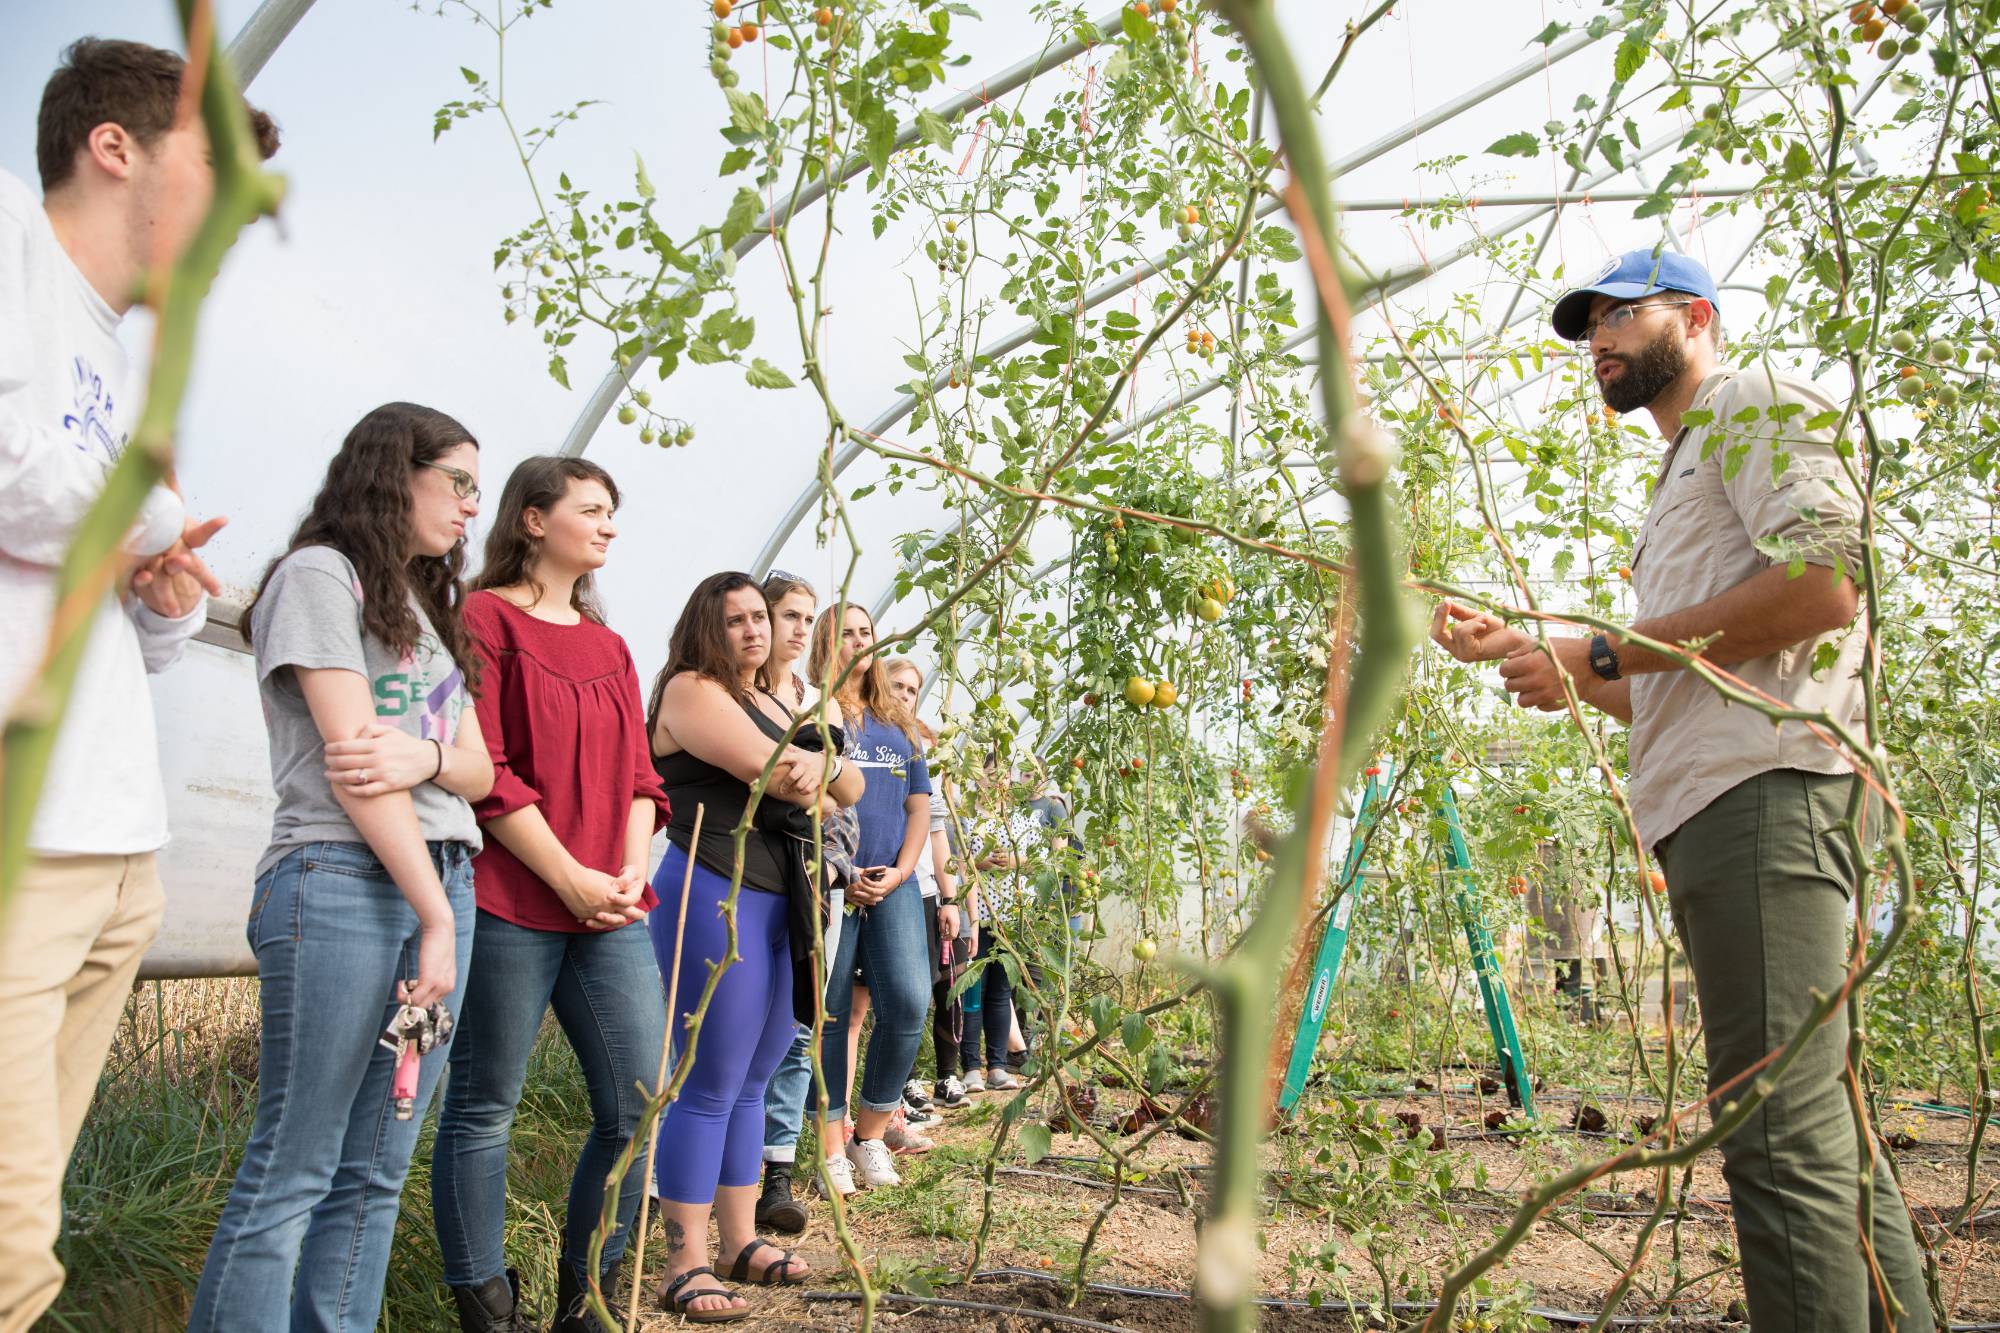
(1438,115)
(1014,76)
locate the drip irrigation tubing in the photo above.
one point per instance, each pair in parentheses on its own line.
(1707,1208)
(1086,1180)
(1354,1309)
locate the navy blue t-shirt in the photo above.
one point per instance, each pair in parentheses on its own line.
(894,771)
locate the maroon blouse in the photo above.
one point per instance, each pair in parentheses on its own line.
(559,706)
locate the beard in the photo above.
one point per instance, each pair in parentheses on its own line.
(1647,373)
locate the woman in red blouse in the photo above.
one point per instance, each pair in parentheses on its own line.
(561,886)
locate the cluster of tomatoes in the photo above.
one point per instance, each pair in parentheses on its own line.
(1912,384)
(1200,342)
(732,35)
(1871,22)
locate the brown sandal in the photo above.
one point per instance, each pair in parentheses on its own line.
(777,1273)
(679,1300)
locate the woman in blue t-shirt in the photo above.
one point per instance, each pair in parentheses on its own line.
(885,933)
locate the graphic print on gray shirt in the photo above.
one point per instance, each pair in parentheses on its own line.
(310,616)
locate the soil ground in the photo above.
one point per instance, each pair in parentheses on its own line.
(917,1235)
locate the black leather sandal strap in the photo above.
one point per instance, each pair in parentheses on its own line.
(680,1299)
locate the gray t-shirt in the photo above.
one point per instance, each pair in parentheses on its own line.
(310,616)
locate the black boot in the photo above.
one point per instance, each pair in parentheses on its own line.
(494,1306)
(572,1299)
(776,1208)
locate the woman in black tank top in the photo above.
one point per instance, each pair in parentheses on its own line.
(714,724)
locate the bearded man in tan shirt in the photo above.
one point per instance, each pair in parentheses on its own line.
(1750,545)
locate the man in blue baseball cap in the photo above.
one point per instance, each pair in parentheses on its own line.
(1753,529)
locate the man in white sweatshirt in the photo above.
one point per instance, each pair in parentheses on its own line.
(124,188)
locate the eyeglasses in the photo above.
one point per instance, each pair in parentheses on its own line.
(462,484)
(1618,317)
(786,575)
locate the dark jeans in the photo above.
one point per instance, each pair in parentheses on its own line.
(605,989)
(947,1017)
(996,1009)
(1760,882)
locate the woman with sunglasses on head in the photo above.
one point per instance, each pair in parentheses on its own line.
(364,900)
(794,607)
(562,891)
(714,720)
(885,937)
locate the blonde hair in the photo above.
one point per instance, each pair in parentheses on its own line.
(864,691)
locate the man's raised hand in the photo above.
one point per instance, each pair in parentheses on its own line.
(1475,636)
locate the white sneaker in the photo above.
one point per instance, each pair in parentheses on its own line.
(903,1140)
(974,1082)
(841,1172)
(873,1161)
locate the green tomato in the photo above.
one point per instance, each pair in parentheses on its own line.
(1911,389)
(1944,351)
(1913,20)
(1947,395)
(1903,341)
(626,415)
(642,398)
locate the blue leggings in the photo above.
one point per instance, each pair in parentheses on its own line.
(714,1131)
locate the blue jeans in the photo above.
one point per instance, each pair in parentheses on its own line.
(890,941)
(303,1243)
(605,988)
(785,1100)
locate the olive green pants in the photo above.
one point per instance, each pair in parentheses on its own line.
(1760,884)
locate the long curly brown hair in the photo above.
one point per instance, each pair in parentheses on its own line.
(540,483)
(363,511)
(700,642)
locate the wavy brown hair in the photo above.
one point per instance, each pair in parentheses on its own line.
(700,643)
(864,691)
(363,511)
(512,551)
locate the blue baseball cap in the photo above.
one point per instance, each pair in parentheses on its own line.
(1628,277)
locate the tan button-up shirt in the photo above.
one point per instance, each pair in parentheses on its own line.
(1755,483)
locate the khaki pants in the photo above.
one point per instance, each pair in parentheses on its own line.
(70,945)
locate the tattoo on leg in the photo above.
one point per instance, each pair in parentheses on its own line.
(676,1236)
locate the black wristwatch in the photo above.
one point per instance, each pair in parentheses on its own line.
(1603,658)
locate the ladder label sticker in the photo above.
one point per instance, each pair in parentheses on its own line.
(1322,988)
(1344,910)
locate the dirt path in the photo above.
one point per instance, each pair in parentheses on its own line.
(918,1234)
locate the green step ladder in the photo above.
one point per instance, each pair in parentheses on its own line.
(1478,939)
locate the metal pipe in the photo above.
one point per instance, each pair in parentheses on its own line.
(259,38)
(606,394)
(1437,115)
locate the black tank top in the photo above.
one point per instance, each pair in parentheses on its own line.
(690,782)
